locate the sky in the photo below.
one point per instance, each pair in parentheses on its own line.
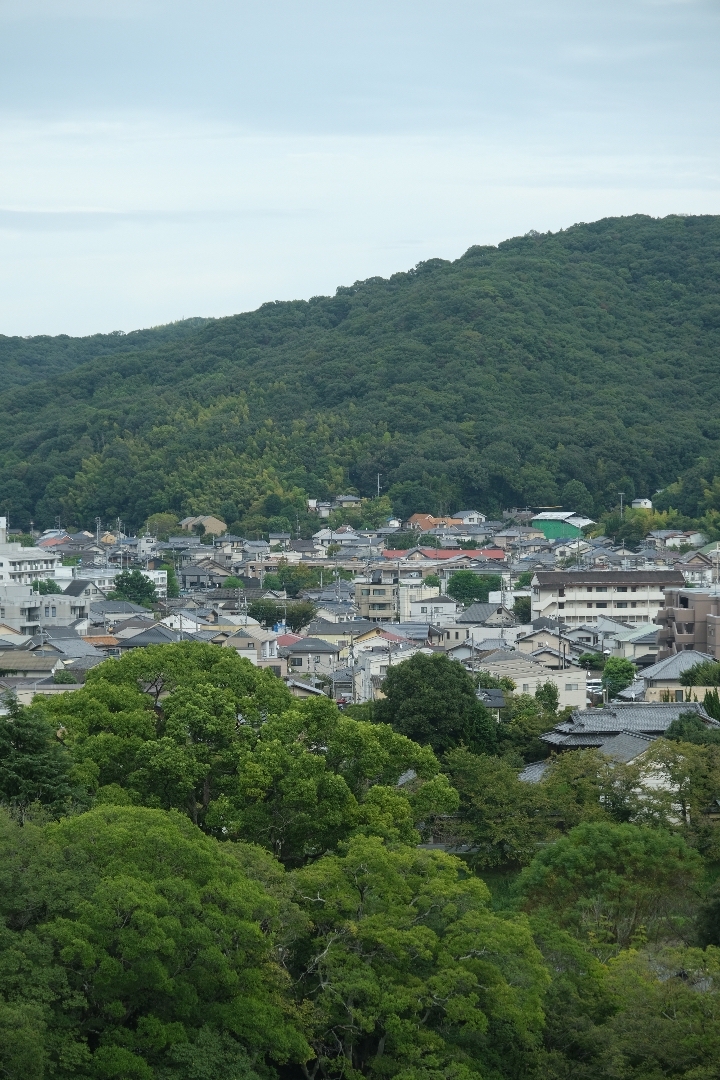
(161,159)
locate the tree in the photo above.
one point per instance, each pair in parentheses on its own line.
(432,700)
(153,958)
(594,660)
(690,728)
(547,695)
(432,581)
(467,586)
(522,609)
(64,676)
(267,612)
(34,766)
(706,673)
(235,582)
(299,615)
(403,541)
(163,525)
(575,496)
(524,580)
(173,585)
(47,587)
(618,674)
(134,586)
(487,681)
(499,815)
(665,1016)
(613,883)
(408,971)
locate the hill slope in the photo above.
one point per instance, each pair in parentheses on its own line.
(592,355)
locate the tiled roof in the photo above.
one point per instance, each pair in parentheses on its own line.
(673,666)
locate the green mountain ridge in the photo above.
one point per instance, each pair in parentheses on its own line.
(588,355)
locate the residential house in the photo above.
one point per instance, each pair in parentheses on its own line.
(528,675)
(582,596)
(486,614)
(661,681)
(595,728)
(697,568)
(470,517)
(638,644)
(311,656)
(211,525)
(438,610)
(427,522)
(257,645)
(689,620)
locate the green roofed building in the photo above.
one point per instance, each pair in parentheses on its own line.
(560,524)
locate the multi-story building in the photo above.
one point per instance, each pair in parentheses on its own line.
(22,565)
(689,621)
(376,594)
(27,611)
(583,596)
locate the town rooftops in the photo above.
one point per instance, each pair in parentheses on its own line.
(593,727)
(312,645)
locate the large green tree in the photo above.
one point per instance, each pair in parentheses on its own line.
(615,884)
(133,950)
(432,700)
(408,971)
(134,586)
(467,586)
(34,766)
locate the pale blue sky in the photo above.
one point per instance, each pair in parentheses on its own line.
(165,159)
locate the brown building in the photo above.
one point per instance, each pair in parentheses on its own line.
(689,620)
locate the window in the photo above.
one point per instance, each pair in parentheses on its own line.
(317,659)
(589,588)
(447,635)
(296,661)
(633,603)
(364,592)
(633,588)
(378,592)
(54,612)
(457,634)
(47,612)
(561,606)
(679,695)
(589,605)
(601,588)
(526,688)
(383,669)
(572,686)
(2,612)
(601,605)
(621,588)
(423,611)
(621,603)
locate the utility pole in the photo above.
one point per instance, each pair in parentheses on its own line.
(378,486)
(622,496)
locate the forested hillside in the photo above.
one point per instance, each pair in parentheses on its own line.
(590,355)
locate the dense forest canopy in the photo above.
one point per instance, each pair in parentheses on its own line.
(204,877)
(586,357)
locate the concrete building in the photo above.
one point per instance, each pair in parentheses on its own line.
(582,596)
(689,620)
(438,610)
(27,611)
(22,565)
(376,594)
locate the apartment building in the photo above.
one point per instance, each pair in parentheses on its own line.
(22,565)
(689,621)
(376,595)
(26,611)
(583,596)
